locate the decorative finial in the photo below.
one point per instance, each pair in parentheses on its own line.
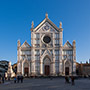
(74,43)
(60,25)
(19,44)
(46,15)
(32,25)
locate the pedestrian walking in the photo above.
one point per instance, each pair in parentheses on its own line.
(72,80)
(67,79)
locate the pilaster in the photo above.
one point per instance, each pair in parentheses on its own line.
(33,62)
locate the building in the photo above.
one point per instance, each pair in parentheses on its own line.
(83,69)
(47,55)
(3,67)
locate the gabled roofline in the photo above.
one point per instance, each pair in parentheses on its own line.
(26,43)
(46,20)
(68,43)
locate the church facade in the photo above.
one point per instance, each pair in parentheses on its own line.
(47,55)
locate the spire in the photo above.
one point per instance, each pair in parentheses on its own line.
(46,15)
(60,25)
(32,25)
(19,44)
(74,43)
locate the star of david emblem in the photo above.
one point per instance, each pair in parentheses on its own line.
(46,27)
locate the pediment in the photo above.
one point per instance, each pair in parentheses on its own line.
(47,52)
(67,45)
(46,26)
(25,44)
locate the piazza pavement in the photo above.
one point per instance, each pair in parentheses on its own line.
(46,84)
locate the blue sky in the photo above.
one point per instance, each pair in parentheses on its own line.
(16,17)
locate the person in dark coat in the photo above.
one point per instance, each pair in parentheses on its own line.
(2,79)
(72,80)
(18,78)
(67,79)
(21,79)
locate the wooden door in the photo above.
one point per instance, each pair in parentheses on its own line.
(26,70)
(67,71)
(47,70)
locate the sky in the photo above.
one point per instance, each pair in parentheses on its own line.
(16,17)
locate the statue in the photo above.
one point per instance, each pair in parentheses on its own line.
(46,15)
(9,72)
(60,26)
(32,25)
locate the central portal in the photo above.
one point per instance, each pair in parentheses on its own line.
(47,70)
(47,66)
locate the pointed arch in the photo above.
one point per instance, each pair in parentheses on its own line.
(67,67)
(48,54)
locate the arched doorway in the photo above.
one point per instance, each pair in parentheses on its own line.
(46,66)
(66,70)
(67,65)
(26,69)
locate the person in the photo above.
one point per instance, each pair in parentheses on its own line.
(8,78)
(15,79)
(72,79)
(21,79)
(2,79)
(18,78)
(67,79)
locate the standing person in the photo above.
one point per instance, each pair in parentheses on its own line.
(8,78)
(21,79)
(15,79)
(2,79)
(68,79)
(72,79)
(18,78)
(65,79)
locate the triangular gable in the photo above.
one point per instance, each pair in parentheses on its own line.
(49,21)
(47,52)
(25,44)
(67,44)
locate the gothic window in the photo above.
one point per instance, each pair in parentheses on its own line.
(56,35)
(64,57)
(56,57)
(37,52)
(37,35)
(47,39)
(43,51)
(36,57)
(51,51)
(56,67)
(56,52)
(56,41)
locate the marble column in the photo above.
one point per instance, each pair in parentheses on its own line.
(53,64)
(33,62)
(41,68)
(74,58)
(52,68)
(29,68)
(60,51)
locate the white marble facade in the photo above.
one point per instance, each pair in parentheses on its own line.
(47,55)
